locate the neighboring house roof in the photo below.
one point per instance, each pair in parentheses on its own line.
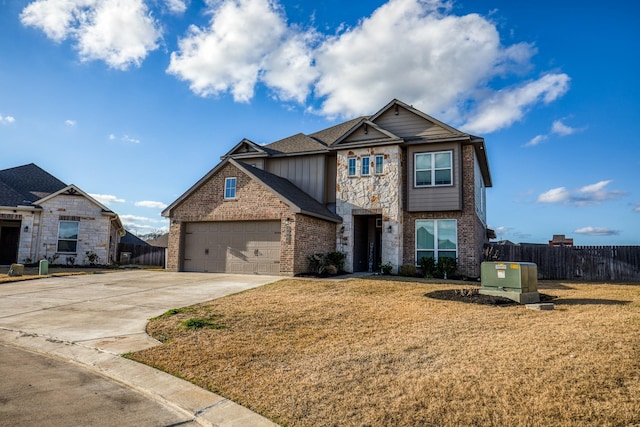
(132,239)
(160,241)
(24,185)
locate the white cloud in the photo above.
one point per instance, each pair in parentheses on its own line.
(228,57)
(119,32)
(584,196)
(177,6)
(637,207)
(151,204)
(561,129)
(127,138)
(509,105)
(536,140)
(130,218)
(107,199)
(596,231)
(70,123)
(413,50)
(112,137)
(7,119)
(555,195)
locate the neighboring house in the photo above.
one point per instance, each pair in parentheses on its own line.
(41,217)
(161,241)
(392,187)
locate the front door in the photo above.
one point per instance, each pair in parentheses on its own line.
(9,239)
(367,242)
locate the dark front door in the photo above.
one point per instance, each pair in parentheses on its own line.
(367,242)
(9,238)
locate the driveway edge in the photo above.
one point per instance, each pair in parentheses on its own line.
(205,408)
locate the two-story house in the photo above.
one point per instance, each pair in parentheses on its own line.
(392,187)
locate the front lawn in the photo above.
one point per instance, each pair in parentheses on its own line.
(379,352)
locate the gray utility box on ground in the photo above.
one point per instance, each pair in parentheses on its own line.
(517,281)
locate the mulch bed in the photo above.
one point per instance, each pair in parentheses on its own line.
(473,296)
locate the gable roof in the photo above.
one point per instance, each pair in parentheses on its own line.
(297,200)
(246,148)
(364,127)
(25,185)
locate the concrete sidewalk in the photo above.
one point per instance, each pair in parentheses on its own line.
(91,320)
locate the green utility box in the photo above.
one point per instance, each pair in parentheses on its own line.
(43,268)
(514,280)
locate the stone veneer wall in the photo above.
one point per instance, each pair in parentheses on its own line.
(471,231)
(94,230)
(301,237)
(377,193)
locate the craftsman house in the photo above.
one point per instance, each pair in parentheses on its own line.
(388,188)
(43,218)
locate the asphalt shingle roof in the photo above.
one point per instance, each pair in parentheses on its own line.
(23,185)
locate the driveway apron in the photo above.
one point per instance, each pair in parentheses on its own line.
(92,319)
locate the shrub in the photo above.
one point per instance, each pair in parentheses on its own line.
(447,267)
(337,259)
(386,268)
(408,270)
(428,266)
(326,263)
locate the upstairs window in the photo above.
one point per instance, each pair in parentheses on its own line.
(230,188)
(68,236)
(379,165)
(352,166)
(433,169)
(365,166)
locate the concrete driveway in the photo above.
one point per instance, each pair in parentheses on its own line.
(92,319)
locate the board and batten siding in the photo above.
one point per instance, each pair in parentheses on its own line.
(306,172)
(406,125)
(442,198)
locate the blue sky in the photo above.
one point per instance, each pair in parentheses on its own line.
(133,101)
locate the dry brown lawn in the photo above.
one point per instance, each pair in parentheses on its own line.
(366,352)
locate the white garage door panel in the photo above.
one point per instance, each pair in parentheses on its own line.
(233,247)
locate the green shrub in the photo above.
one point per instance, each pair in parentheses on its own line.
(326,263)
(429,269)
(197,323)
(408,270)
(337,259)
(447,267)
(386,268)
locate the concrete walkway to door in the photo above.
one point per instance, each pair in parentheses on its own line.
(92,319)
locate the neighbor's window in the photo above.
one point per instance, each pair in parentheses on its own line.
(365,166)
(68,236)
(352,166)
(230,188)
(432,169)
(379,164)
(436,238)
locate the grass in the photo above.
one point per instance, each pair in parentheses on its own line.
(378,352)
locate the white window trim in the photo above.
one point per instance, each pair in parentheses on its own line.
(67,240)
(363,163)
(235,189)
(433,169)
(435,238)
(375,164)
(355,164)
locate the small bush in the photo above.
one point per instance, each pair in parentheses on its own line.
(197,323)
(337,259)
(386,268)
(330,263)
(408,270)
(428,266)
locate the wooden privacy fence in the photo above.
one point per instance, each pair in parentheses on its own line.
(140,254)
(620,263)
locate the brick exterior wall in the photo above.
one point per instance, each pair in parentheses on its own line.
(471,231)
(311,236)
(253,202)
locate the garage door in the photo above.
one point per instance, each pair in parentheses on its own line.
(233,247)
